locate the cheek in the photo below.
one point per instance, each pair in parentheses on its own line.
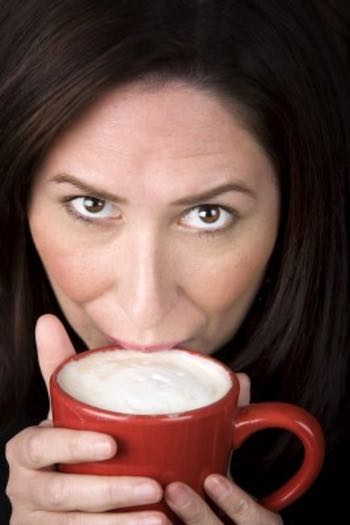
(76,270)
(231,280)
(219,289)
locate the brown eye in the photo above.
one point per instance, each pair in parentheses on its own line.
(93,208)
(209,214)
(93,205)
(208,218)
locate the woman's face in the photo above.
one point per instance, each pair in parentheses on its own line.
(155,216)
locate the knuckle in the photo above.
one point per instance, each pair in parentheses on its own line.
(111,491)
(9,450)
(196,511)
(76,445)
(33,446)
(11,490)
(242,508)
(15,443)
(56,491)
(15,488)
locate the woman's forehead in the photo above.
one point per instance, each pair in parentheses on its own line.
(174,127)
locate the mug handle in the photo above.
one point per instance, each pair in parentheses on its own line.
(260,416)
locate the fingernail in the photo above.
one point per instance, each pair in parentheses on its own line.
(217,485)
(147,492)
(178,495)
(101,449)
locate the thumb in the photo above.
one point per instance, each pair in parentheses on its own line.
(53,345)
(244,389)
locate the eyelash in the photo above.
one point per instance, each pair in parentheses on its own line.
(67,203)
(205,234)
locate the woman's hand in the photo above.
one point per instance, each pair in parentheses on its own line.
(42,496)
(237,505)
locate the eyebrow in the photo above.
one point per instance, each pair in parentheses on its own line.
(214,192)
(190,199)
(87,188)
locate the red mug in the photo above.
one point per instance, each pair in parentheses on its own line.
(189,446)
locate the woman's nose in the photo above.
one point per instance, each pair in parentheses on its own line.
(145,283)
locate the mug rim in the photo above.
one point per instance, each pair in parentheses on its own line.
(105,414)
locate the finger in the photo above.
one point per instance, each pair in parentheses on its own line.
(244,389)
(78,518)
(55,491)
(53,345)
(237,504)
(41,447)
(189,506)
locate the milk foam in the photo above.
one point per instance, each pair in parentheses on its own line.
(134,382)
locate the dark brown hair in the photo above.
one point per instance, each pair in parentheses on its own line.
(274,59)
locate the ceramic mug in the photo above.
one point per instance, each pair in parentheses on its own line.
(189,446)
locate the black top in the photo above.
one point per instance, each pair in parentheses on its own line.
(326,502)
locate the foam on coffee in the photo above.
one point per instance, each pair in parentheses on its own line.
(135,382)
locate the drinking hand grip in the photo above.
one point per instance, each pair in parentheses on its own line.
(260,416)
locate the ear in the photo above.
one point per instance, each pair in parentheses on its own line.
(53,345)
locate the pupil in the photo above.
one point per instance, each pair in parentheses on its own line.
(93,205)
(209,215)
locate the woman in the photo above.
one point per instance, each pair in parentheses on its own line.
(172,173)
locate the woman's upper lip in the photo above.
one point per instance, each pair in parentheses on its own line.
(147,348)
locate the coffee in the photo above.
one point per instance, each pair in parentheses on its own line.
(135,382)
